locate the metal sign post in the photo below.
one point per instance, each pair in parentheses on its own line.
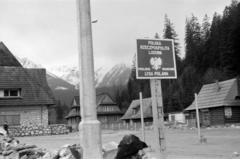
(142,117)
(155,61)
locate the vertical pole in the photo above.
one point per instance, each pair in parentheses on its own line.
(142,119)
(158,120)
(197,116)
(89,127)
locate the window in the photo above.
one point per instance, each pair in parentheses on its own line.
(10,93)
(115,118)
(135,110)
(104,109)
(103,119)
(228,112)
(107,109)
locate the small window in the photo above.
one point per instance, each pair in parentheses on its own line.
(104,109)
(135,110)
(228,112)
(10,93)
(103,119)
(115,118)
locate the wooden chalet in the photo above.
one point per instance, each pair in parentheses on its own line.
(24,93)
(218,103)
(74,116)
(107,111)
(133,114)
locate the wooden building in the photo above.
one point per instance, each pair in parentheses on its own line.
(219,103)
(74,116)
(133,114)
(24,93)
(108,112)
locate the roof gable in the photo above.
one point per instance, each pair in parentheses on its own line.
(212,96)
(104,98)
(75,101)
(7,58)
(107,99)
(146,102)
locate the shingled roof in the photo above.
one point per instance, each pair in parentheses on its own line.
(225,93)
(32,83)
(7,58)
(147,102)
(39,75)
(31,91)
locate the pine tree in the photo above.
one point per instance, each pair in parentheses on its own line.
(170,33)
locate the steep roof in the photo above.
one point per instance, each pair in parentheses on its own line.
(218,94)
(7,58)
(32,92)
(146,102)
(39,75)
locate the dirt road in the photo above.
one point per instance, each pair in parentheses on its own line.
(221,142)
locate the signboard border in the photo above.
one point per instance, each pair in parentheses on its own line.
(174,60)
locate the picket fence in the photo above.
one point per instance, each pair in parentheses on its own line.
(148,125)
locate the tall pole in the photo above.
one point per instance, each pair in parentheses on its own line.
(197,116)
(89,127)
(158,120)
(142,117)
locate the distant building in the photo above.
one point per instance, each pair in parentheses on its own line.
(24,93)
(133,114)
(107,111)
(218,103)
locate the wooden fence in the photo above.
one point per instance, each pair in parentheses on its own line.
(127,126)
(137,126)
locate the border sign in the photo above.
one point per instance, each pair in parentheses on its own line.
(155,59)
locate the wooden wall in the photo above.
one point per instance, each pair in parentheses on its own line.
(235,118)
(217,116)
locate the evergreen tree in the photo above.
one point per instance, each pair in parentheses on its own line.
(170,33)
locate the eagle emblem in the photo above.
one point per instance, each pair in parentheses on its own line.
(156,62)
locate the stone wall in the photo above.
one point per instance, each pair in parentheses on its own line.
(56,129)
(37,115)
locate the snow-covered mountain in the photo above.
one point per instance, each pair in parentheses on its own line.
(60,79)
(54,81)
(67,73)
(105,76)
(118,75)
(67,77)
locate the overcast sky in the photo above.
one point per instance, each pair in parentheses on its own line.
(45,31)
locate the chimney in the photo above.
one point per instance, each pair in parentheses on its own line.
(217,85)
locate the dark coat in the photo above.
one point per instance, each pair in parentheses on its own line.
(129,146)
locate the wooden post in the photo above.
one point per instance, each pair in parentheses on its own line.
(197,116)
(158,120)
(142,117)
(89,127)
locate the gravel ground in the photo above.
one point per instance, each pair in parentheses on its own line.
(181,144)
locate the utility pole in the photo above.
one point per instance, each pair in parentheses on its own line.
(89,127)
